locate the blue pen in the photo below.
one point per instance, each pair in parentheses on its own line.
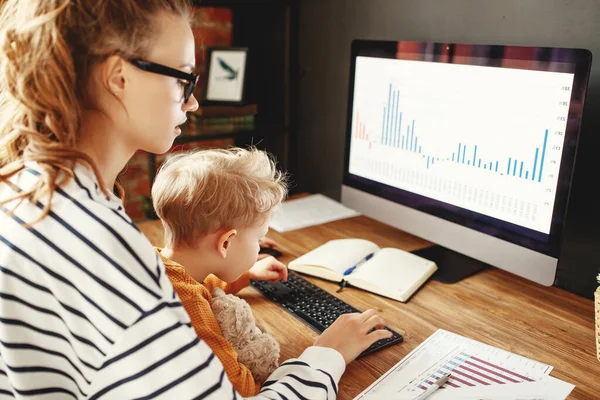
(349,270)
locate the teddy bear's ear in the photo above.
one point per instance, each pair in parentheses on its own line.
(218,292)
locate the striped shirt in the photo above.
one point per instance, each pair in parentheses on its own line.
(87,311)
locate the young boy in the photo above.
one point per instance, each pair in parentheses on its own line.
(215,207)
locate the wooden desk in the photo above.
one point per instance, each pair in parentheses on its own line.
(549,325)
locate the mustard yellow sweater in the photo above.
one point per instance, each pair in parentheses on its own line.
(197,300)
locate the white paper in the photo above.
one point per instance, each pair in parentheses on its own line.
(547,388)
(394,269)
(312,210)
(476,369)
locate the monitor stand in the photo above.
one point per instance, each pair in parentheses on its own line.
(452,266)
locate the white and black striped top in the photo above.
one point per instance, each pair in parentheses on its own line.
(87,311)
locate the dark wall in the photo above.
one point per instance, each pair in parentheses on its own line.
(327,28)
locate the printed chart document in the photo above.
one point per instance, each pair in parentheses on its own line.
(312,210)
(477,372)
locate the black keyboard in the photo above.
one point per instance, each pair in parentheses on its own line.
(314,306)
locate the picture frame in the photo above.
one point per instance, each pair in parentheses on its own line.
(225,78)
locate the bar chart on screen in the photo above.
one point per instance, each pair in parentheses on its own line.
(485,139)
(471,364)
(392,136)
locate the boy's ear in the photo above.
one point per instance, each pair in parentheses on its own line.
(224,241)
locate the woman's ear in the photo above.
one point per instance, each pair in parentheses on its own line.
(224,241)
(113,76)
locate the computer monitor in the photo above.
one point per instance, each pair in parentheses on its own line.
(471,147)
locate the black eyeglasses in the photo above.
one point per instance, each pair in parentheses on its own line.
(191,79)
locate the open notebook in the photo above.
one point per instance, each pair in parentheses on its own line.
(388,272)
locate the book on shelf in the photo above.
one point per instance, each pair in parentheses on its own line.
(221,118)
(239,119)
(226,111)
(193,129)
(388,272)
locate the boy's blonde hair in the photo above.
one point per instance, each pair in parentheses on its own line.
(202,191)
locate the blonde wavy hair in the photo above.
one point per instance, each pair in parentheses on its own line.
(202,191)
(47,48)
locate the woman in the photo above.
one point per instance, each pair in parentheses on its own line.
(86,308)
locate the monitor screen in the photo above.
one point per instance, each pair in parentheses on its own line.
(483,136)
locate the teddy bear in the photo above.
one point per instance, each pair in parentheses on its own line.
(256,349)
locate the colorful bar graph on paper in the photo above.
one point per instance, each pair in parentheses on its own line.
(467,371)
(471,364)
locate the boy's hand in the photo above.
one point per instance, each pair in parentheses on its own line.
(269,269)
(266,242)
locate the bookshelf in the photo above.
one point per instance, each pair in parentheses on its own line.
(269,29)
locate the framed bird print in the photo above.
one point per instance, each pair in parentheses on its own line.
(225,75)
